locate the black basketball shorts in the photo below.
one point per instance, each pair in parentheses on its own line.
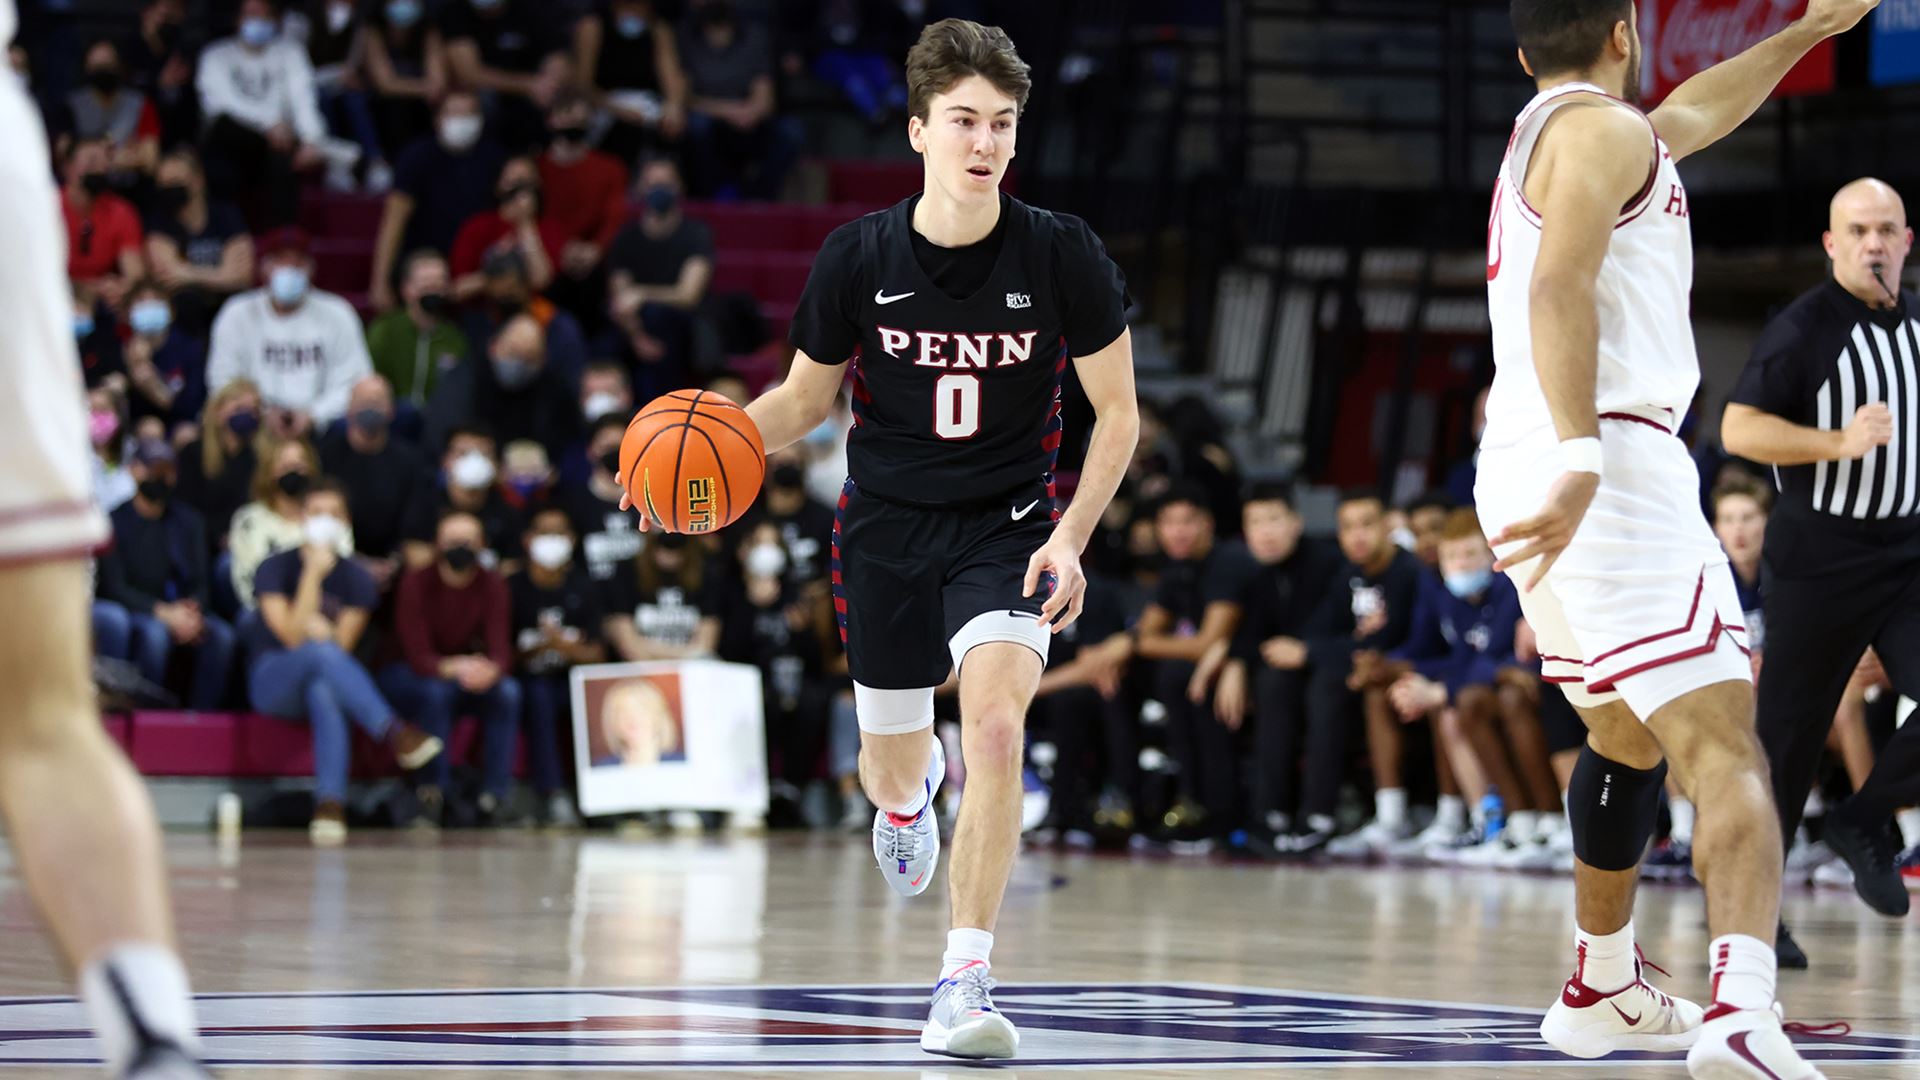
(915,587)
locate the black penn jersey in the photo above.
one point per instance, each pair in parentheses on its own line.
(956,400)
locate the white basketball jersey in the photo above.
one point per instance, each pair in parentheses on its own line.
(1647,358)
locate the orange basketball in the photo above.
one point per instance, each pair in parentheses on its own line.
(692,461)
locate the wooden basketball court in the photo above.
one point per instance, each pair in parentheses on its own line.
(510,954)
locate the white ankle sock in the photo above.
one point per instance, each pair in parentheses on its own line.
(936,771)
(1681,811)
(1743,971)
(965,946)
(1606,960)
(135,993)
(1390,806)
(1450,813)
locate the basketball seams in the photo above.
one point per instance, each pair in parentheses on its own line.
(680,455)
(666,417)
(759,453)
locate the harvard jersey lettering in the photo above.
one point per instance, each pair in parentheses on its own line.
(1646,355)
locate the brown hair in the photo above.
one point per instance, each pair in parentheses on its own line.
(1741,485)
(1461,524)
(213,456)
(266,473)
(951,50)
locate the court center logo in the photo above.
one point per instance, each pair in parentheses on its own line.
(837,1028)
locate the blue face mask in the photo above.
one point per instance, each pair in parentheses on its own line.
(630,26)
(287,285)
(258,32)
(150,317)
(661,200)
(403,13)
(82,326)
(1470,583)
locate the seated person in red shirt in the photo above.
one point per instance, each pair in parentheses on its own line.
(587,195)
(453,620)
(519,223)
(103,229)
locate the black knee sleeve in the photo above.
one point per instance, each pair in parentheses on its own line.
(1613,809)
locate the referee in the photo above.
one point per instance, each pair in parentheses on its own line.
(1831,399)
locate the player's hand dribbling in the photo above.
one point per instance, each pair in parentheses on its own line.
(1552,529)
(1059,557)
(1872,427)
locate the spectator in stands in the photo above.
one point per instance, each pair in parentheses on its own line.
(110,109)
(737,145)
(469,469)
(217,468)
(516,224)
(314,607)
(1740,508)
(604,391)
(96,334)
(1426,518)
(166,364)
(107,426)
(1459,484)
(1200,459)
(513,55)
(197,247)
(103,229)
(272,522)
(629,60)
(331,31)
(405,62)
(303,347)
(658,270)
(805,526)
(263,123)
(556,624)
(509,293)
(665,604)
(1373,611)
(516,391)
(159,61)
(1183,635)
(388,482)
(438,183)
(454,621)
(1264,676)
(1082,700)
(414,344)
(153,584)
(854,46)
(527,478)
(608,539)
(586,195)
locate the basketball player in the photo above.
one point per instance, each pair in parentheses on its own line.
(1594,508)
(79,820)
(958,310)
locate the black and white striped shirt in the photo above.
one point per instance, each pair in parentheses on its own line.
(1816,364)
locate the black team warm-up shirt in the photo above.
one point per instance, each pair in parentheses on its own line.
(958,353)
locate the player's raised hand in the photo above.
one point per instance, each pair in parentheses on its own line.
(1552,529)
(1058,557)
(626,503)
(1838,16)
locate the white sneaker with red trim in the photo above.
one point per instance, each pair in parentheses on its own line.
(908,849)
(1586,1023)
(964,1022)
(1746,1044)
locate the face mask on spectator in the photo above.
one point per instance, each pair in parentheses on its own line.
(610,461)
(244,423)
(459,133)
(83,326)
(1404,539)
(525,486)
(105,80)
(1466,584)
(471,470)
(459,558)
(766,560)
(257,32)
(155,490)
(94,183)
(630,26)
(571,133)
(172,198)
(788,475)
(371,421)
(403,13)
(324,530)
(287,285)
(150,317)
(661,199)
(514,373)
(338,16)
(550,551)
(102,424)
(434,305)
(600,404)
(294,483)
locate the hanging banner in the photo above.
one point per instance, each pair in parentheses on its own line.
(1896,42)
(1681,38)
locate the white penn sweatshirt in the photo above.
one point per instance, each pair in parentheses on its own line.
(261,88)
(306,359)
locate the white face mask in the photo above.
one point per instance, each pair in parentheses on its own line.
(459,132)
(324,530)
(550,550)
(471,470)
(766,560)
(600,404)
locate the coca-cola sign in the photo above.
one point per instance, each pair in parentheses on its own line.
(1682,38)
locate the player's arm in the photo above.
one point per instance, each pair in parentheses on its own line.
(1773,440)
(1107,378)
(802,401)
(1706,108)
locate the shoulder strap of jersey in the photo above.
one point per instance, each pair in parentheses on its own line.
(1533,120)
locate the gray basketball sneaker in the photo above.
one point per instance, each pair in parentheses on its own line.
(963,1022)
(908,849)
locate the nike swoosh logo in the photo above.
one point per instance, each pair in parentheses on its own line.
(880,297)
(1632,1021)
(1025,510)
(1737,1042)
(916,881)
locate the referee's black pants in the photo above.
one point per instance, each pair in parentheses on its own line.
(1834,588)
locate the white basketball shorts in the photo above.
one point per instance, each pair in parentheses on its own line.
(1641,606)
(47,508)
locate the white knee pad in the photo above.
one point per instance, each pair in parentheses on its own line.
(893,712)
(1000,626)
